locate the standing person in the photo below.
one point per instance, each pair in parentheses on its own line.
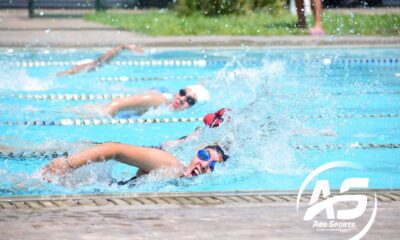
(316,7)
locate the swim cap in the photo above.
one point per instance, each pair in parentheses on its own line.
(214,119)
(201,92)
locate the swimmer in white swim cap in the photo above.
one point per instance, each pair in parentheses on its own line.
(183,99)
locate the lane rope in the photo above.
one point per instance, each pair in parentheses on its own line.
(104,121)
(347,146)
(133,79)
(122,121)
(205,62)
(70,97)
(164,62)
(55,154)
(88,97)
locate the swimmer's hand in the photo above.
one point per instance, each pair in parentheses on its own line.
(133,48)
(57,166)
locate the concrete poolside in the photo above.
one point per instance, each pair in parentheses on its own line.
(17,30)
(226,215)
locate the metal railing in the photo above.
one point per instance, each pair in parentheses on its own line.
(98,5)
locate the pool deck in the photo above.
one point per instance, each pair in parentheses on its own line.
(222,215)
(17,30)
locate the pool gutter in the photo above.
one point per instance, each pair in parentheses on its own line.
(183,198)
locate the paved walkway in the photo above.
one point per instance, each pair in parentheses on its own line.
(223,215)
(17,30)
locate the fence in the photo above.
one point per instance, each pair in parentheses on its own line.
(99,5)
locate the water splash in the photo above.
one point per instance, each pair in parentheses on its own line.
(19,80)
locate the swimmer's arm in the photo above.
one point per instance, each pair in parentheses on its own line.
(113,52)
(140,102)
(99,61)
(146,159)
(189,137)
(78,68)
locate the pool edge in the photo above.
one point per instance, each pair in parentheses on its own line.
(178,198)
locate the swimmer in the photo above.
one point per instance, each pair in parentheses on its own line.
(144,158)
(91,65)
(141,103)
(211,120)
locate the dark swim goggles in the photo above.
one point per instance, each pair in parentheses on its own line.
(190,100)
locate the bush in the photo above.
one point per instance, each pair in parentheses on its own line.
(223,7)
(186,7)
(271,6)
(211,7)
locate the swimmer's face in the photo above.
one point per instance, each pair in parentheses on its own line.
(197,166)
(185,98)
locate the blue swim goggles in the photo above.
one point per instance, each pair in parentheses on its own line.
(205,155)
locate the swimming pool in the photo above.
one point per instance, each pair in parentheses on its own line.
(294,109)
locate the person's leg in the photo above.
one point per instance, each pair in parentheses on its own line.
(317,12)
(300,14)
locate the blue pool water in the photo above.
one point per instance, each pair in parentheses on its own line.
(293,110)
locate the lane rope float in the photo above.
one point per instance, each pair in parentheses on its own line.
(104,121)
(205,62)
(158,78)
(88,97)
(55,154)
(122,121)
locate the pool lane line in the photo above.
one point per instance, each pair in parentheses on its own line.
(90,97)
(139,63)
(69,97)
(326,147)
(104,121)
(207,62)
(154,78)
(187,77)
(351,115)
(348,146)
(124,121)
